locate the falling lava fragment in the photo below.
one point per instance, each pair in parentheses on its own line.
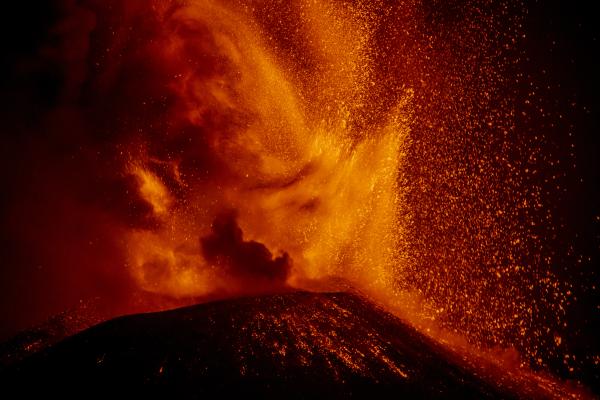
(300,344)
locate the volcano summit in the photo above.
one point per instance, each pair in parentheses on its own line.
(300,344)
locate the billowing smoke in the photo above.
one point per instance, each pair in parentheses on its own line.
(247,261)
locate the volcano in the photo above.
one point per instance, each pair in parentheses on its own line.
(299,345)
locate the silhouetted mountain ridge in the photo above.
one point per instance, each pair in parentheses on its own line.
(297,345)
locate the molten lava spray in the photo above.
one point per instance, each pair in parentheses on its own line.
(219,148)
(287,146)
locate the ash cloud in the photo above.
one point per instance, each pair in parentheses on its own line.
(247,261)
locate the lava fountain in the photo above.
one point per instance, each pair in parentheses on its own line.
(287,154)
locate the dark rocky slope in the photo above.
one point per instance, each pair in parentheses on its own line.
(294,345)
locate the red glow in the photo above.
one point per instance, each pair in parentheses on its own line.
(361,143)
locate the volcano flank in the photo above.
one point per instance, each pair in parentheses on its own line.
(300,344)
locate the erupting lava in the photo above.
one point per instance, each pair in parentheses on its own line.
(310,128)
(241,128)
(232,147)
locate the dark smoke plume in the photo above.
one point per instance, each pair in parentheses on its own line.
(243,260)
